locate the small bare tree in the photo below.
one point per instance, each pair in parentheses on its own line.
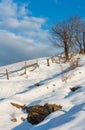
(78,29)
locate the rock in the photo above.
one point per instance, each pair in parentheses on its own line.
(14,120)
(52,107)
(17,105)
(22,118)
(38,109)
(74,88)
(37,113)
(35,118)
(37,84)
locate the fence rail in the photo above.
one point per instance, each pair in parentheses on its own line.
(22,68)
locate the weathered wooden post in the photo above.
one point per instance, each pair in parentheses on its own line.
(84,41)
(25,67)
(7,74)
(48,64)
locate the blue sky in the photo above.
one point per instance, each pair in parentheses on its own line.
(55,10)
(25,25)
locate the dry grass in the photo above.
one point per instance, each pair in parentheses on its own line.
(66,76)
(73,63)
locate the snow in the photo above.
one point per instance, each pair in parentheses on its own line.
(21,90)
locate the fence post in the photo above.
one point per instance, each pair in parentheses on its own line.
(48,64)
(7,74)
(25,67)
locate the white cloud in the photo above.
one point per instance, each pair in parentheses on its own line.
(21,35)
(15,48)
(7,9)
(23,11)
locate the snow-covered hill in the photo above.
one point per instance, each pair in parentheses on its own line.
(21,89)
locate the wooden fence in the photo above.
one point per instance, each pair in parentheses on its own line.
(54,59)
(7,73)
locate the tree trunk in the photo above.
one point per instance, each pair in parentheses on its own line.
(80,49)
(66,49)
(84,41)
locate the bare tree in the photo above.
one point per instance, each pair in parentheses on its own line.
(60,36)
(68,34)
(78,29)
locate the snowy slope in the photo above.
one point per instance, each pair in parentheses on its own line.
(21,89)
